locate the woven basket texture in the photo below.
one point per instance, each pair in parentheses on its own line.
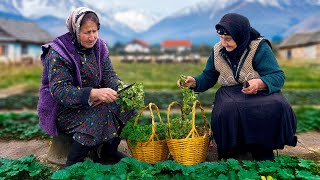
(154,150)
(194,148)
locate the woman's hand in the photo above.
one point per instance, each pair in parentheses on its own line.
(255,86)
(103,95)
(189,82)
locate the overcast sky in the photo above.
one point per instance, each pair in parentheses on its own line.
(161,7)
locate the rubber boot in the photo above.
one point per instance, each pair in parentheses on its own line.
(109,152)
(77,153)
(260,153)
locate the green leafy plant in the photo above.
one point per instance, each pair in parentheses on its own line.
(138,130)
(23,168)
(181,126)
(188,97)
(132,98)
(23,125)
(142,132)
(284,168)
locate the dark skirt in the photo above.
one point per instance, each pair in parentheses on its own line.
(92,126)
(239,120)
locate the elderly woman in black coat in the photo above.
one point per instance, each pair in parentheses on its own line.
(250,113)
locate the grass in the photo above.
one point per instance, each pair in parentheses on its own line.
(300,74)
(21,76)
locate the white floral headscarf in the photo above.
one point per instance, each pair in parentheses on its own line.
(74,20)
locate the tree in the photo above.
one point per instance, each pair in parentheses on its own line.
(203,49)
(117,48)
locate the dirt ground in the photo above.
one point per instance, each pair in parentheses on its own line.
(308,147)
(11,91)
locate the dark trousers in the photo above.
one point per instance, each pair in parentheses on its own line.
(79,152)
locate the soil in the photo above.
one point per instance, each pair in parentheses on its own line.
(11,91)
(308,147)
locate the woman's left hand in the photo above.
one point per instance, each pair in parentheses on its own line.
(255,86)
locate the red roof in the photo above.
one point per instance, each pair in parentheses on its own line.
(174,43)
(139,41)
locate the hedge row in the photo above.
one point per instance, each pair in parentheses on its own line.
(162,99)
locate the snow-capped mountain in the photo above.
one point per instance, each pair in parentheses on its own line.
(310,24)
(274,19)
(51,15)
(34,9)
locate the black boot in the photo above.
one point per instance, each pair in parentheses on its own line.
(77,153)
(109,152)
(260,153)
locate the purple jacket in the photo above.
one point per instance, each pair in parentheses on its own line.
(47,107)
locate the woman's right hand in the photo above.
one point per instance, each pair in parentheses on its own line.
(106,95)
(189,82)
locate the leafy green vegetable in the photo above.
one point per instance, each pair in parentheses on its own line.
(188,97)
(130,168)
(23,125)
(180,128)
(23,168)
(132,98)
(142,132)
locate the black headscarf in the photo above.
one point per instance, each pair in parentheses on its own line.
(238,27)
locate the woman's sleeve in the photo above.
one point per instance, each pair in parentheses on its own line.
(109,76)
(62,82)
(208,77)
(265,63)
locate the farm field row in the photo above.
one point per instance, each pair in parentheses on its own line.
(300,74)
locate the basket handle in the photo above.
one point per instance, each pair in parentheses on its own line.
(168,114)
(194,131)
(152,120)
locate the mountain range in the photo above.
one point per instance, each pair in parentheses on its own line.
(274,19)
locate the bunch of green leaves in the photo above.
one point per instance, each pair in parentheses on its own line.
(132,98)
(141,132)
(188,97)
(23,125)
(179,128)
(23,168)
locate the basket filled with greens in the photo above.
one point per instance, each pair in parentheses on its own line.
(147,141)
(188,142)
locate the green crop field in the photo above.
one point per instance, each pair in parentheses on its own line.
(300,74)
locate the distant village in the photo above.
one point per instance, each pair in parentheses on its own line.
(20,43)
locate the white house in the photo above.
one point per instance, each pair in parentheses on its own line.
(21,40)
(137,46)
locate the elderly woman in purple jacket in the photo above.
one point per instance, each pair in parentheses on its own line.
(79,89)
(250,113)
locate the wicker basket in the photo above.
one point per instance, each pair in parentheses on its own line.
(153,150)
(194,148)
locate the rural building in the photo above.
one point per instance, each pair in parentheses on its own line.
(176,46)
(21,41)
(301,46)
(137,46)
